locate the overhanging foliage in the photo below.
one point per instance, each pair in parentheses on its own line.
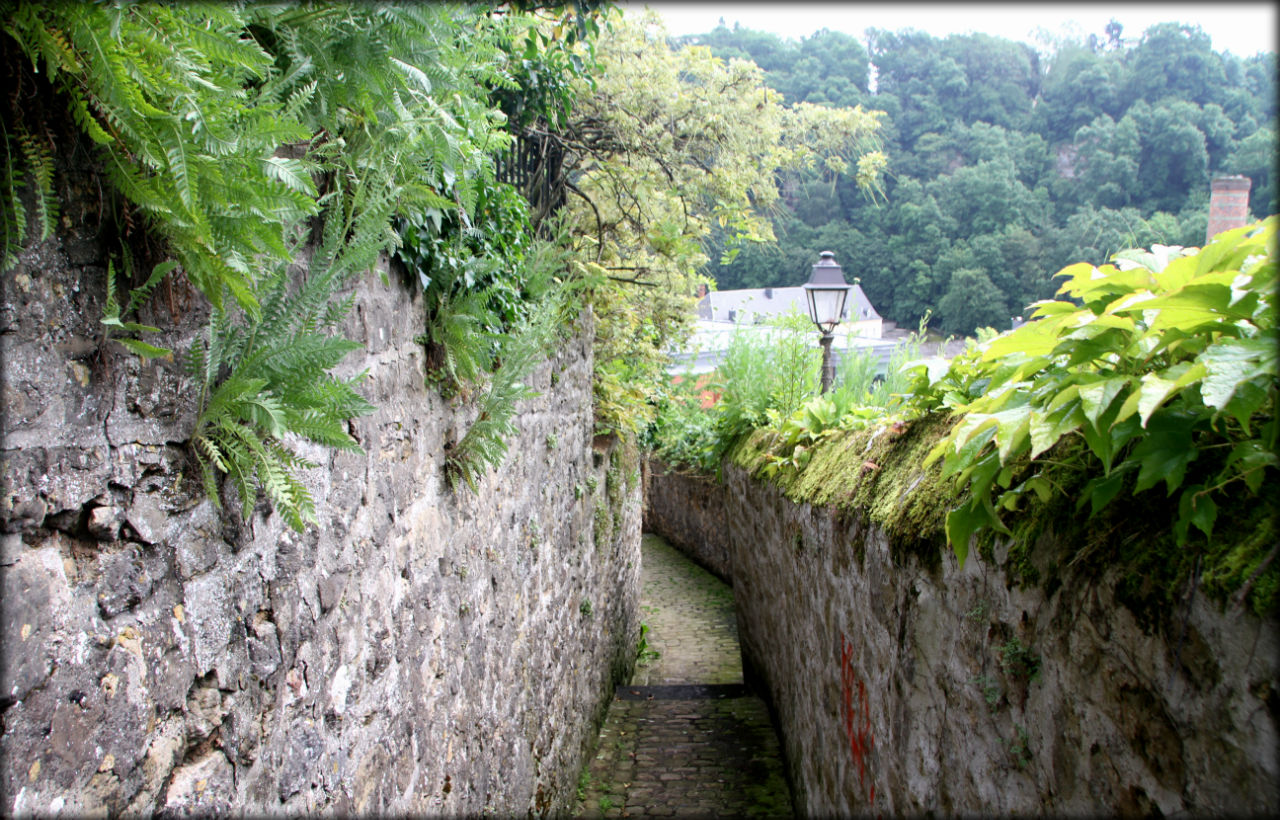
(1163,365)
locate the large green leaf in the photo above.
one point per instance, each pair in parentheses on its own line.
(1165,452)
(1155,389)
(1047,430)
(1231,362)
(1096,398)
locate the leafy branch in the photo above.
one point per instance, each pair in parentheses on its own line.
(1153,363)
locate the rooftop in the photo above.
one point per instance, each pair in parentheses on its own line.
(734,305)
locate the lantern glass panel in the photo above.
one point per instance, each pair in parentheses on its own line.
(826,305)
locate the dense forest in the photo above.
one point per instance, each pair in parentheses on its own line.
(1006,164)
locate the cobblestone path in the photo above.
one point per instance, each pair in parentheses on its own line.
(685,739)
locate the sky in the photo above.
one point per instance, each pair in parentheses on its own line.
(1241,28)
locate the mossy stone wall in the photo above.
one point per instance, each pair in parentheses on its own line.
(420,652)
(905,684)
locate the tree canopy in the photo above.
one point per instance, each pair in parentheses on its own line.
(666,147)
(1103,143)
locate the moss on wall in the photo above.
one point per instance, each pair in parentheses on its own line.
(877,476)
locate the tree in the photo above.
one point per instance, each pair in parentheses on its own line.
(985,197)
(911,68)
(828,67)
(667,146)
(1079,87)
(1175,60)
(1255,157)
(1108,157)
(1175,156)
(1002,79)
(971,302)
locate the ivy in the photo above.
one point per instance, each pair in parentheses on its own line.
(1161,365)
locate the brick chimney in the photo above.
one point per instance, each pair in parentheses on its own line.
(1228,204)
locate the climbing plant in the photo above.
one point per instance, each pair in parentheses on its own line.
(1162,366)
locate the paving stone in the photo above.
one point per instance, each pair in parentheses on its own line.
(680,751)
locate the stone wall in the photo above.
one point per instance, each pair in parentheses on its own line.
(688,509)
(903,689)
(419,651)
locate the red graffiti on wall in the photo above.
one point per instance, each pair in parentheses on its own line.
(855,712)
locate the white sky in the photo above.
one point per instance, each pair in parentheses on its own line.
(1241,28)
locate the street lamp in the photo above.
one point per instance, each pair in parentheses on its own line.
(826,292)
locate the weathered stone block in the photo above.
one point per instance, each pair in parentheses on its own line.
(204,788)
(146,518)
(124,581)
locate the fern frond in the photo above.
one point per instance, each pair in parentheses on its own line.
(175,150)
(291,173)
(324,429)
(139,295)
(38,158)
(144,349)
(111,307)
(13,214)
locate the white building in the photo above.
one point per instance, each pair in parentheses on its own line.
(757,305)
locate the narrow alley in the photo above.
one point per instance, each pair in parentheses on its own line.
(686,738)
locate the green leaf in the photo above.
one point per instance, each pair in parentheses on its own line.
(1250,460)
(1164,453)
(134,327)
(1051,307)
(291,173)
(1203,511)
(1231,362)
(1100,490)
(1081,274)
(1048,430)
(1249,397)
(1152,392)
(1093,344)
(962,523)
(143,349)
(1100,443)
(1012,428)
(1096,398)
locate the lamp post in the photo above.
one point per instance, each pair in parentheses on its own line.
(826,292)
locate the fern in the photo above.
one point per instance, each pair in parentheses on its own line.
(267,378)
(161,89)
(485,443)
(29,164)
(111,311)
(187,107)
